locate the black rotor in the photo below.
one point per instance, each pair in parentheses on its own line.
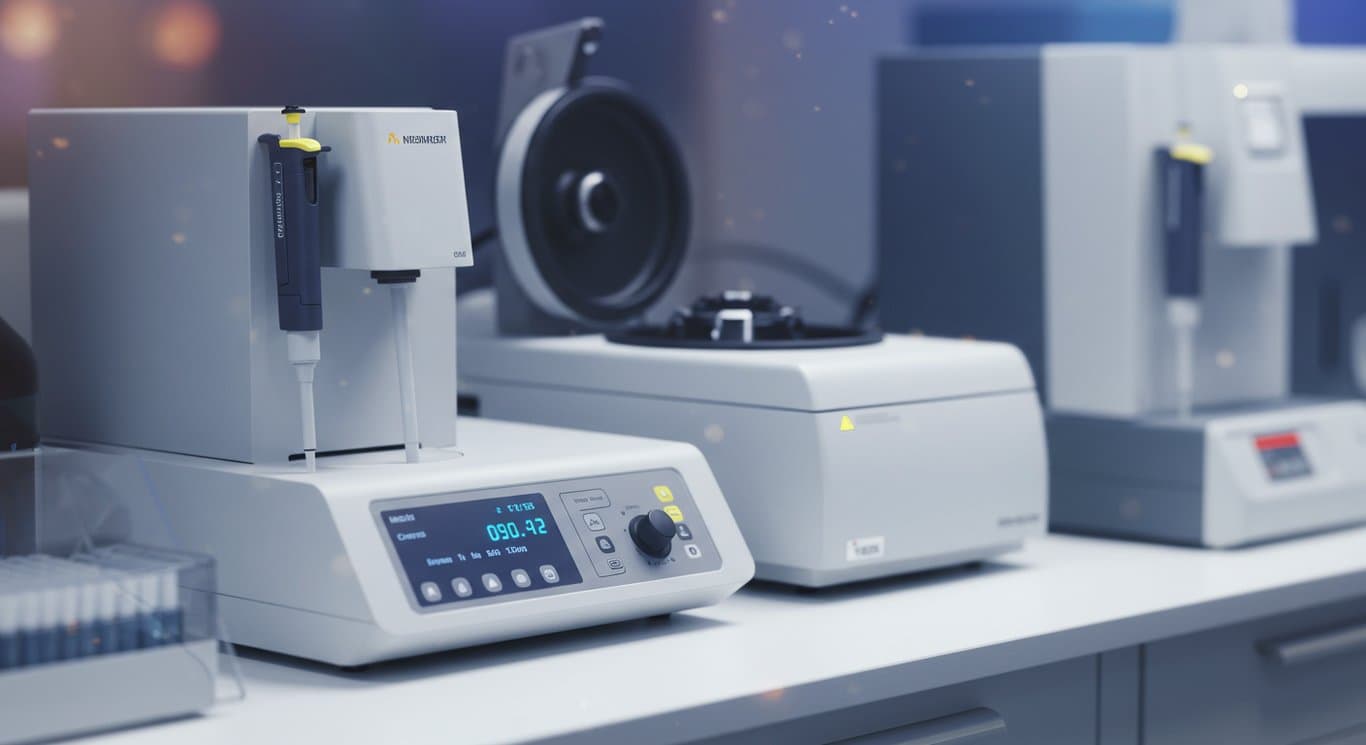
(605,202)
(743,320)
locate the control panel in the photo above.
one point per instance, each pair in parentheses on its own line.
(1283,455)
(532,540)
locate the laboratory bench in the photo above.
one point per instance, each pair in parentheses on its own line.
(1071,640)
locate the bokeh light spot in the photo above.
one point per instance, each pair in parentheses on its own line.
(185,34)
(28,28)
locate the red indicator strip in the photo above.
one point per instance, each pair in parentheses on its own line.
(1280,441)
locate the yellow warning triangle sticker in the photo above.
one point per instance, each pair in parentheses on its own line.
(846,424)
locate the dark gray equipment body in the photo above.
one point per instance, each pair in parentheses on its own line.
(1330,275)
(946,268)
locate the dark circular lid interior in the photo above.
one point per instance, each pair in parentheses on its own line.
(599,151)
(775,326)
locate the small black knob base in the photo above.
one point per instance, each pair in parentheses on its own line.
(653,533)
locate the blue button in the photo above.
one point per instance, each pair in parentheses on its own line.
(605,544)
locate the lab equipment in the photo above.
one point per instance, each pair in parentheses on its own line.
(1329,318)
(1026,204)
(846,454)
(294,162)
(398,542)
(105,638)
(1182,176)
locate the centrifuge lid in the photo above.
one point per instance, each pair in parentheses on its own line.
(897,370)
(593,203)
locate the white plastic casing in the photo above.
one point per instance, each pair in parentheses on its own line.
(412,157)
(304,567)
(139,346)
(1244,505)
(1110,351)
(942,461)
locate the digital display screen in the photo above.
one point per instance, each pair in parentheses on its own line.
(1283,455)
(480,549)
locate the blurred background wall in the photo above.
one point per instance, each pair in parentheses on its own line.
(772,99)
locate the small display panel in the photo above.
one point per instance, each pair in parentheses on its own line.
(480,549)
(1283,455)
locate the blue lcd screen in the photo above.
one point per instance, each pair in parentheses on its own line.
(461,551)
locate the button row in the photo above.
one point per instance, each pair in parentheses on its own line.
(595,523)
(431,591)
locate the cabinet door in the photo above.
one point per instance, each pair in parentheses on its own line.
(1050,705)
(1294,678)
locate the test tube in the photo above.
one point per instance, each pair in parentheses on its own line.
(26,616)
(9,621)
(81,609)
(66,581)
(167,566)
(110,600)
(42,642)
(148,587)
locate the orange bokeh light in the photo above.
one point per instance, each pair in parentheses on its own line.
(185,34)
(28,28)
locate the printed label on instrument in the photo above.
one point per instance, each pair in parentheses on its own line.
(277,193)
(1283,456)
(862,549)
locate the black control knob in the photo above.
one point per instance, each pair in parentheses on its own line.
(653,533)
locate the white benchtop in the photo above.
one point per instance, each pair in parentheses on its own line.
(770,653)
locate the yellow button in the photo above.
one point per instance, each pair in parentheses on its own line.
(664,494)
(673,512)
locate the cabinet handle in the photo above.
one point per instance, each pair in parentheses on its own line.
(972,726)
(1302,650)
